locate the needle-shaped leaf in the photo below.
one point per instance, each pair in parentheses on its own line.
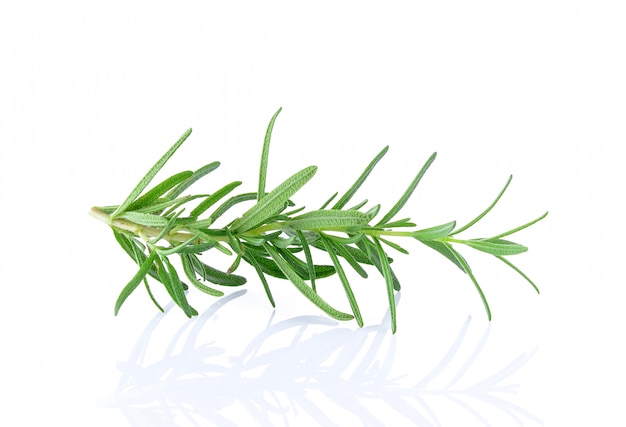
(152,298)
(309,258)
(368,247)
(328,220)
(394,245)
(486,211)
(283,243)
(444,250)
(352,238)
(344,281)
(405,222)
(265,156)
(224,207)
(214,275)
(341,250)
(436,232)
(269,267)
(521,227)
(191,275)
(510,264)
(214,198)
(151,173)
(197,249)
(252,261)
(303,288)
(173,285)
(465,267)
(149,220)
(203,171)
(159,190)
(496,246)
(409,191)
(302,268)
(273,202)
(164,203)
(134,282)
(331,198)
(382,256)
(352,190)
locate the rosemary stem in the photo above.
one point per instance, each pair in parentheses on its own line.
(139,230)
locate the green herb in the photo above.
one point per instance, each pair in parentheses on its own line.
(152,227)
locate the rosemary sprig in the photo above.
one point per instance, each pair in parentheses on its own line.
(152,227)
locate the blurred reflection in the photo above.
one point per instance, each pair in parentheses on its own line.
(348,369)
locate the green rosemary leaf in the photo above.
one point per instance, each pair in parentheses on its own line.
(283,243)
(303,288)
(266,265)
(309,258)
(234,243)
(234,266)
(265,155)
(521,227)
(302,268)
(409,191)
(214,198)
(203,171)
(352,238)
(405,222)
(394,245)
(271,268)
(191,275)
(352,190)
(329,200)
(371,213)
(496,246)
(174,286)
(159,190)
(341,250)
(329,220)
(293,212)
(229,204)
(436,232)
(158,306)
(254,240)
(344,281)
(358,206)
(134,282)
(486,211)
(214,275)
(368,247)
(126,244)
(253,262)
(510,264)
(148,177)
(382,256)
(197,249)
(149,220)
(178,248)
(162,203)
(208,239)
(273,202)
(444,250)
(134,251)
(465,267)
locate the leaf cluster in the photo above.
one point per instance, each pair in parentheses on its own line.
(274,237)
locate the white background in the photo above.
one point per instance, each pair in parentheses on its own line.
(92,94)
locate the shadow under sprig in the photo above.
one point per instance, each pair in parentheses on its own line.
(192,384)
